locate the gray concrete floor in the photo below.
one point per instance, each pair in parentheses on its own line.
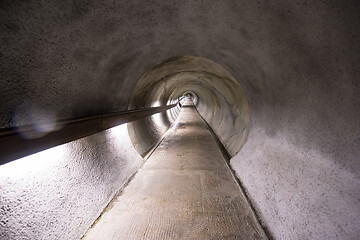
(185,190)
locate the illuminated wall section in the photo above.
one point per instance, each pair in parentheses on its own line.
(59,193)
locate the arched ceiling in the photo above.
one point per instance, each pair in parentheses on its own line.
(297,63)
(218,97)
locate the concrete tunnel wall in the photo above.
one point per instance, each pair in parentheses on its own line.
(60,192)
(218,96)
(297,63)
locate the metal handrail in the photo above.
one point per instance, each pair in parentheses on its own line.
(14,145)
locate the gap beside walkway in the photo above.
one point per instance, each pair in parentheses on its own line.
(185,190)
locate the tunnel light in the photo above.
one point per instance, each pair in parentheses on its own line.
(158,120)
(34,164)
(156,104)
(182,101)
(119,132)
(39,163)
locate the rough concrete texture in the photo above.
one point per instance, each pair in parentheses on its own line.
(219,98)
(185,190)
(59,193)
(144,133)
(297,62)
(299,194)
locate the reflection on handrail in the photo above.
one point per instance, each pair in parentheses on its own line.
(14,145)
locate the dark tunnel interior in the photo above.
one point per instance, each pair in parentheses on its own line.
(276,81)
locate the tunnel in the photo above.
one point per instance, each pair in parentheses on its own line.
(97,96)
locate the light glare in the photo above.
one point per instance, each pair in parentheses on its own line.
(34,163)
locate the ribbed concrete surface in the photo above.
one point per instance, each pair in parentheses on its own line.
(184,191)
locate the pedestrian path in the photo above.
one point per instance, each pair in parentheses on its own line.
(185,190)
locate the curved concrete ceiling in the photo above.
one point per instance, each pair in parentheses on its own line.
(219,99)
(297,63)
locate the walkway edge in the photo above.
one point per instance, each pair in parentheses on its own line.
(128,180)
(227,157)
(157,143)
(108,206)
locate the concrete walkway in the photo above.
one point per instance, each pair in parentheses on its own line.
(185,190)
